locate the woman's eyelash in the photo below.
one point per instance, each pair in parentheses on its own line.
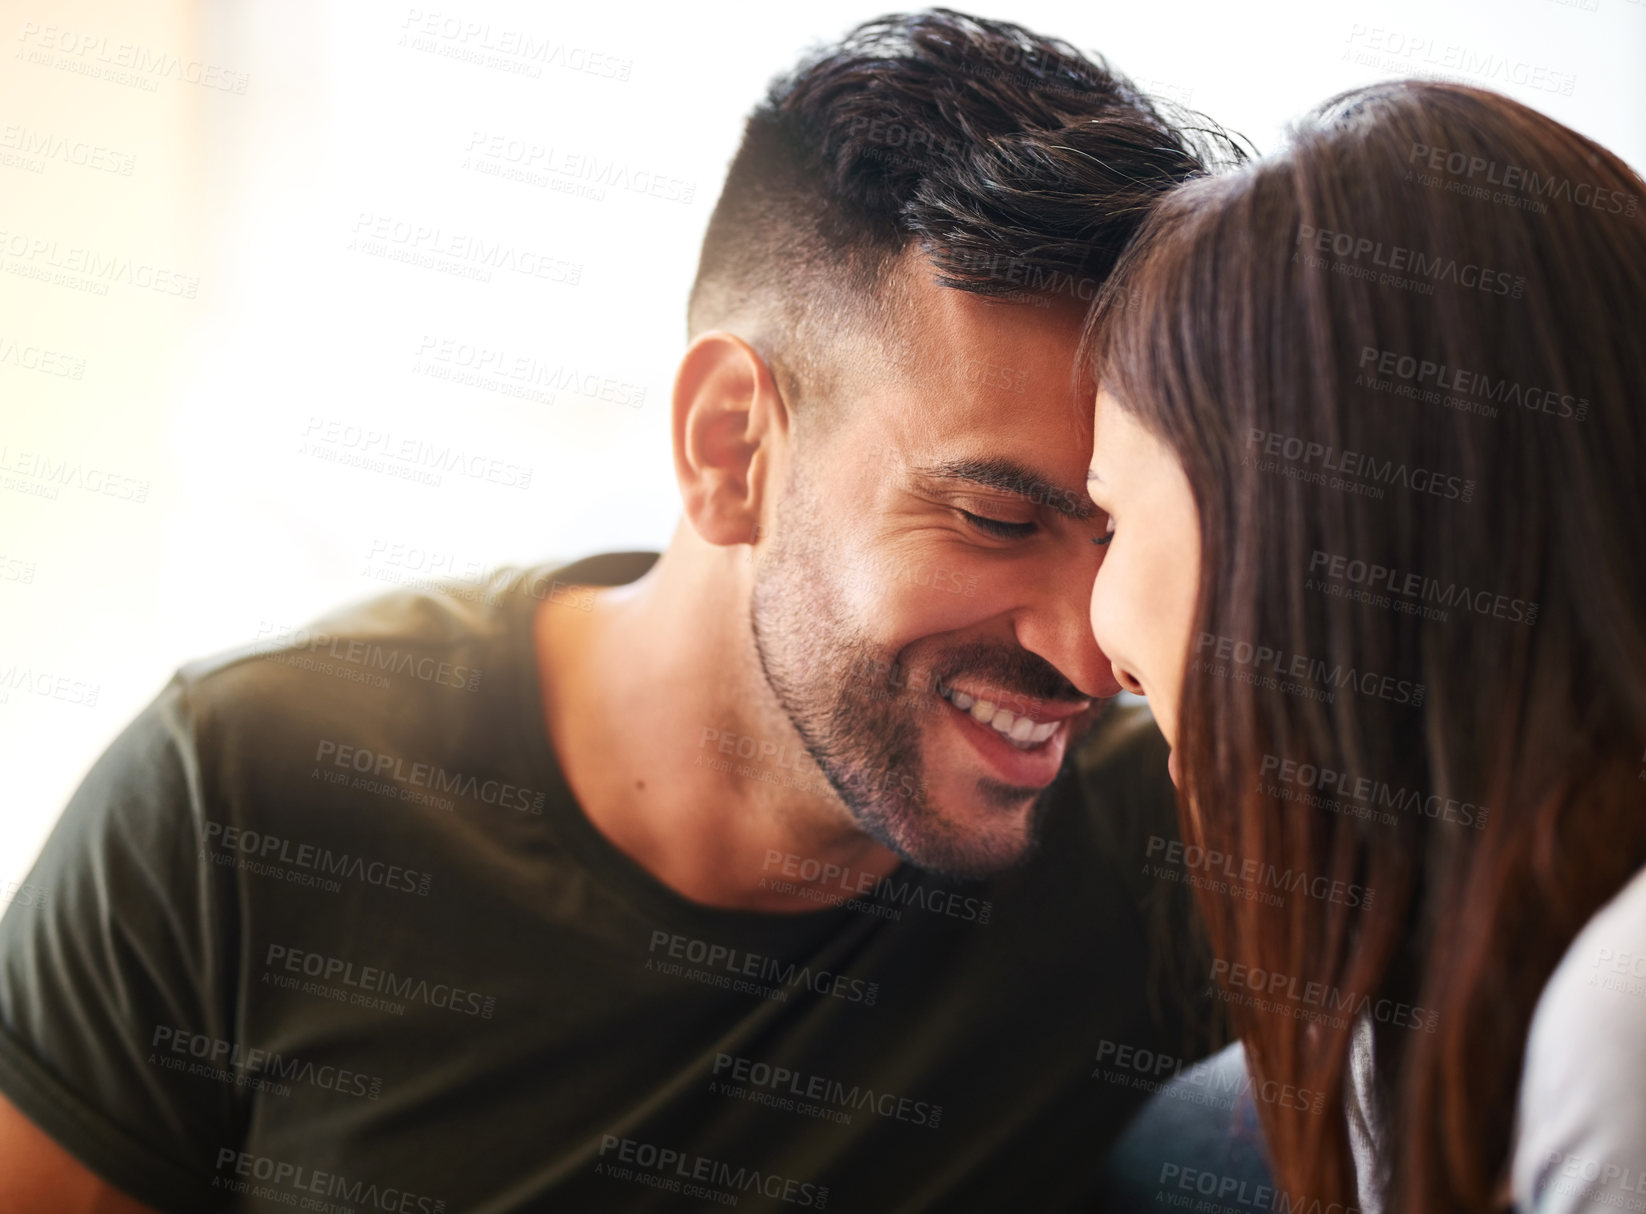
(999,527)
(1108,533)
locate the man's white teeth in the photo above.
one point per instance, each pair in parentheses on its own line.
(1021,730)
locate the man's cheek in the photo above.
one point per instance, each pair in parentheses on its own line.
(910,610)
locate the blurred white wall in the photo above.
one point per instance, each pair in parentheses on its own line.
(260,216)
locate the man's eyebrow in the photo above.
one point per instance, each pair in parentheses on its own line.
(1009,476)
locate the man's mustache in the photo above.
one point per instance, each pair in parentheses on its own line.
(1001,674)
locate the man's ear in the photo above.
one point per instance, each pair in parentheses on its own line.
(729,423)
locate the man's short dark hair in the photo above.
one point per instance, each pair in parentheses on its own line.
(1021,165)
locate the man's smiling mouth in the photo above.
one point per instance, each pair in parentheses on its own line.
(1026,731)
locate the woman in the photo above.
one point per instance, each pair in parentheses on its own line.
(1371,432)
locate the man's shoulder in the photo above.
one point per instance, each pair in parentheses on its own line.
(397,637)
(427,616)
(435,669)
(408,667)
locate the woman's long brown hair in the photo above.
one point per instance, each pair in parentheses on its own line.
(1415,339)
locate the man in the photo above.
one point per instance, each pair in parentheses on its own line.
(758,874)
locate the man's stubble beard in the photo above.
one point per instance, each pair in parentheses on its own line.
(857,718)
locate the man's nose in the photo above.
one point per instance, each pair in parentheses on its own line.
(1055,624)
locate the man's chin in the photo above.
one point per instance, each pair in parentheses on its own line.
(969,863)
(994,833)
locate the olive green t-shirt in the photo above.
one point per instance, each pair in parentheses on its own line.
(325,929)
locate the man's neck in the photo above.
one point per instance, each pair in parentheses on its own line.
(676,749)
